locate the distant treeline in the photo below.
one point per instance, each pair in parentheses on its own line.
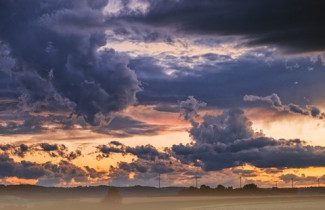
(84,191)
(249,189)
(39,192)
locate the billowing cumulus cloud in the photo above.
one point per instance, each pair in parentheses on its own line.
(228,140)
(189,108)
(224,141)
(57,61)
(71,67)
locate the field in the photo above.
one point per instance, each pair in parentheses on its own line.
(309,202)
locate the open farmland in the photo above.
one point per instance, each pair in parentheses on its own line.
(159,203)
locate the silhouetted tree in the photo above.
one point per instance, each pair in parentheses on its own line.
(220,187)
(204,187)
(251,186)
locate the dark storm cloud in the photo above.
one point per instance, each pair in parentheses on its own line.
(57,62)
(144,152)
(147,152)
(223,141)
(228,140)
(106,150)
(226,128)
(223,84)
(49,147)
(293,25)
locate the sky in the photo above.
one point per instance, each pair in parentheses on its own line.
(115,92)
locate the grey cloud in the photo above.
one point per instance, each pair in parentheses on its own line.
(189,108)
(53,150)
(228,127)
(261,23)
(55,46)
(275,101)
(15,149)
(106,150)
(123,126)
(224,84)
(147,152)
(301,179)
(314,111)
(49,147)
(167,108)
(45,172)
(227,140)
(297,109)
(144,152)
(272,99)
(29,125)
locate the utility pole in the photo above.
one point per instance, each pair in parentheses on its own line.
(196,180)
(318,182)
(159,180)
(292,183)
(276,184)
(240,182)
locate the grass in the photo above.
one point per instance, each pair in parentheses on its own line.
(297,202)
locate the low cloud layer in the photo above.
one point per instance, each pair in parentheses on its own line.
(53,150)
(47,173)
(276,103)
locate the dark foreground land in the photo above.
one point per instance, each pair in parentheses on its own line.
(283,202)
(143,198)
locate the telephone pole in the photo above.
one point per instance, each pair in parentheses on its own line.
(318,182)
(240,182)
(276,184)
(159,180)
(292,183)
(196,180)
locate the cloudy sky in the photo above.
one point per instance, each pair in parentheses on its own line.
(118,91)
